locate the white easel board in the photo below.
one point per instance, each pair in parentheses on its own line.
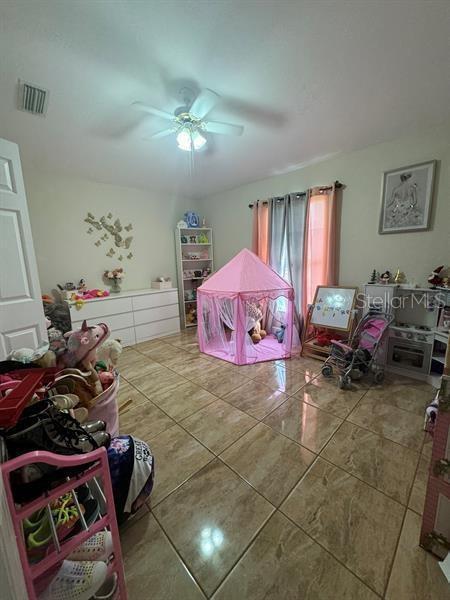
(333,307)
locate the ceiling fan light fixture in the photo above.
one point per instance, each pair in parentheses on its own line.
(187,138)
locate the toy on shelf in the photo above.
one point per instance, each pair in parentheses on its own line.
(192,239)
(435,279)
(191,316)
(374,277)
(399,277)
(184,239)
(202,238)
(385,277)
(192,219)
(206,272)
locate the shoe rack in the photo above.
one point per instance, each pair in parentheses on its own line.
(91,468)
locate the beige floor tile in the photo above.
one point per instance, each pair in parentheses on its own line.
(255,398)
(308,365)
(189,365)
(303,423)
(427,447)
(127,357)
(329,397)
(211,519)
(419,489)
(177,457)
(150,346)
(160,380)
(144,421)
(285,380)
(283,563)
(357,524)
(376,460)
(218,425)
(128,396)
(270,462)
(218,380)
(416,574)
(413,398)
(183,401)
(163,353)
(384,418)
(152,567)
(141,367)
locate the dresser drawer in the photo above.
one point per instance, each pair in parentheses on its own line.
(151,330)
(126,336)
(113,321)
(159,313)
(152,300)
(102,308)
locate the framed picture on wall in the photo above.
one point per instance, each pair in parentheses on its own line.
(406,198)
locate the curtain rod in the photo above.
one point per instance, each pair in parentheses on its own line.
(337,184)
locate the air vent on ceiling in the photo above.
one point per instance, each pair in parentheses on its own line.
(32,98)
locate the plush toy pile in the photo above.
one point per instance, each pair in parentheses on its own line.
(254,313)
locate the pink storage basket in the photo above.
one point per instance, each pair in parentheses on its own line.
(105,407)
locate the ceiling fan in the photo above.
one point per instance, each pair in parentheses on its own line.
(188,122)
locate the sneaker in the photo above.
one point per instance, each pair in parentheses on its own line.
(65,517)
(108,590)
(76,580)
(97,547)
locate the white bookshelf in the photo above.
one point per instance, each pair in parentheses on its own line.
(193,259)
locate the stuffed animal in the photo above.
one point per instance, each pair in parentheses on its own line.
(110,352)
(280,334)
(435,278)
(191,316)
(82,346)
(254,312)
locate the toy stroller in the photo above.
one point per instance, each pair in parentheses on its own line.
(354,357)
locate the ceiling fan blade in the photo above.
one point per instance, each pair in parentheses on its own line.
(153,111)
(163,133)
(204,102)
(223,128)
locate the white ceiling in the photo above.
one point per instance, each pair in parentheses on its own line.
(305,78)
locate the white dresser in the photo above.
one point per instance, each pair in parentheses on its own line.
(134,316)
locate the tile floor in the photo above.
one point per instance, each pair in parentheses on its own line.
(273,484)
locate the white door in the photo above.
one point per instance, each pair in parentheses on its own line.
(22,322)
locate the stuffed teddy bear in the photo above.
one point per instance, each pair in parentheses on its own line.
(254,312)
(191,316)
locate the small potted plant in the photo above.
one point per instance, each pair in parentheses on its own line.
(113,278)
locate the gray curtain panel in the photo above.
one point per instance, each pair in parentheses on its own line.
(287,233)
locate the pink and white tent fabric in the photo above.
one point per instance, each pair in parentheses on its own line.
(226,307)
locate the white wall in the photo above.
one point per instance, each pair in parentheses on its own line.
(361,247)
(65,252)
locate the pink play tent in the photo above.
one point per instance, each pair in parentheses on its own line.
(232,302)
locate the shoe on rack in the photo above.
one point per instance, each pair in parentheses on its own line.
(65,517)
(94,426)
(52,434)
(108,590)
(65,401)
(76,580)
(97,547)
